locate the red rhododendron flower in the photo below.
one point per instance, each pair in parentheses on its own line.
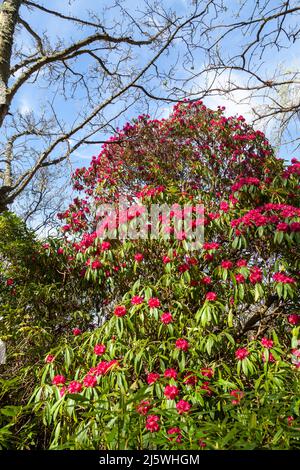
(111,364)
(202,443)
(238,395)
(283,278)
(99,349)
(166,259)
(143,407)
(183,406)
(210,246)
(205,386)
(166,318)
(294,319)
(206,280)
(296,352)
(76,331)
(241,353)
(267,343)
(74,387)
(207,372)
(120,310)
(227,264)
(211,296)
(9,282)
(270,359)
(177,432)
(49,358)
(224,206)
(152,423)
(295,227)
(138,257)
(255,275)
(58,380)
(102,368)
(96,264)
(290,420)
(241,262)
(153,302)
(171,392)
(89,381)
(60,251)
(240,279)
(282,227)
(296,357)
(136,300)
(182,344)
(182,268)
(170,373)
(190,379)
(105,246)
(192,261)
(152,378)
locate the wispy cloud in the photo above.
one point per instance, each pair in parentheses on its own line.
(25,106)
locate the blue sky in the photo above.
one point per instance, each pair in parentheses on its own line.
(32,99)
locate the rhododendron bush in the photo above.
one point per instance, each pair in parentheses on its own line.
(196,348)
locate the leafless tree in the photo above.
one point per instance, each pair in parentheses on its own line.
(84,69)
(251,51)
(94,66)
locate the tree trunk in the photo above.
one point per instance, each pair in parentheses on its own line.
(8,18)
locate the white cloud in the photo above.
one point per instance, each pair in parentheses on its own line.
(165,111)
(237,102)
(25,106)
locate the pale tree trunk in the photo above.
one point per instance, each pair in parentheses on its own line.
(8,19)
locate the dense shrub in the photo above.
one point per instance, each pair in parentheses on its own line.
(194,349)
(39,304)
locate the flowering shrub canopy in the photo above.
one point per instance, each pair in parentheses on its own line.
(198,349)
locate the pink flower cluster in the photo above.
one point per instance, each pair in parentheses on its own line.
(154,302)
(283,278)
(183,406)
(211,296)
(237,396)
(152,423)
(182,344)
(259,217)
(177,432)
(255,275)
(267,343)
(103,367)
(245,182)
(166,318)
(171,392)
(99,349)
(152,377)
(120,310)
(241,353)
(137,300)
(294,319)
(143,407)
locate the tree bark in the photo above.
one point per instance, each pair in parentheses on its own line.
(8,18)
